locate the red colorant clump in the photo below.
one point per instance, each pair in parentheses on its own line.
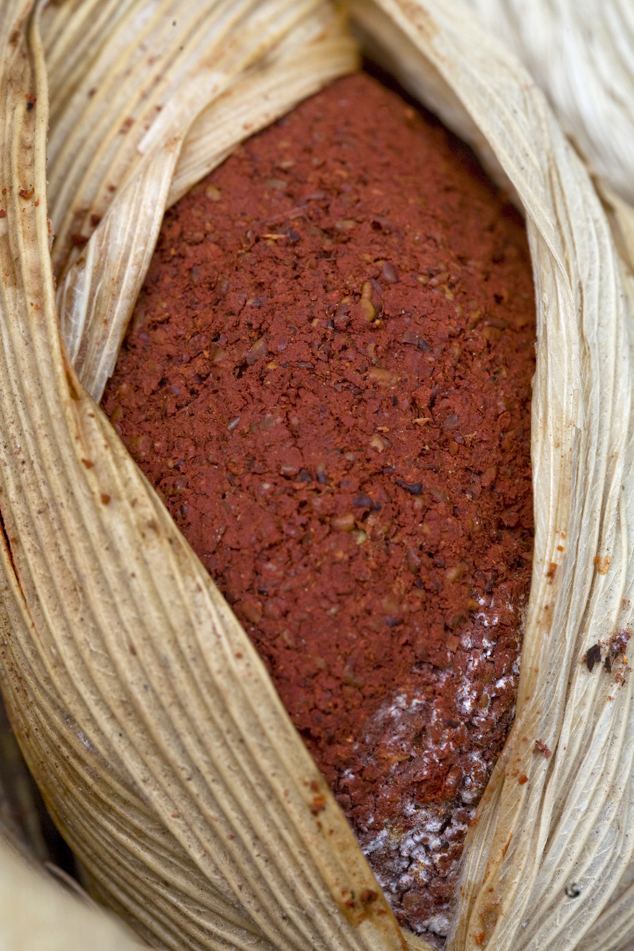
(328,378)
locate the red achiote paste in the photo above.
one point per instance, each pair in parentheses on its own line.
(328,378)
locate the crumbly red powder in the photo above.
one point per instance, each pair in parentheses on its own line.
(328,378)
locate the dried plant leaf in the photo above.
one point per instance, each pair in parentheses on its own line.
(35,913)
(183,786)
(229,68)
(19,816)
(582,55)
(550,827)
(621,218)
(178,777)
(318,51)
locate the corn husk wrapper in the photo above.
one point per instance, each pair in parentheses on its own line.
(147,718)
(38,914)
(20,820)
(582,55)
(35,911)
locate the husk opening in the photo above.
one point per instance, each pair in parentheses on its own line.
(164,755)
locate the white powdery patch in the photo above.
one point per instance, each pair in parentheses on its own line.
(376,842)
(398,709)
(409,861)
(466,696)
(466,693)
(472,785)
(415,736)
(397,722)
(504,681)
(393,721)
(439,924)
(488,619)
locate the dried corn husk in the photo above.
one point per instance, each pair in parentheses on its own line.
(144,712)
(35,913)
(19,815)
(582,55)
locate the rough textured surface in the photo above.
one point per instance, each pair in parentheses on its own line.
(328,379)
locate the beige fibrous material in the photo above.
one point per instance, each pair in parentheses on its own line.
(146,716)
(35,914)
(582,56)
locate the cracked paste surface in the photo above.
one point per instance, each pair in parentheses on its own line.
(328,379)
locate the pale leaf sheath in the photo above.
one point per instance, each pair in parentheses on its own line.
(149,720)
(569,820)
(131,655)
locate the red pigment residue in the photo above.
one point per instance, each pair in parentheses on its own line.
(328,379)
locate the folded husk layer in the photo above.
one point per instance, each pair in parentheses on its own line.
(35,913)
(147,718)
